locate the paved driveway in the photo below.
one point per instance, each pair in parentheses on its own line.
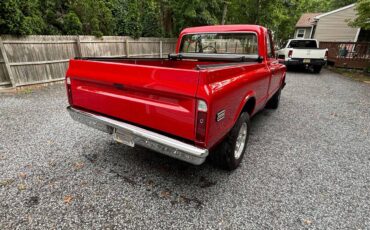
(308,166)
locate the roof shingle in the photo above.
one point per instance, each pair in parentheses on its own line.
(306,20)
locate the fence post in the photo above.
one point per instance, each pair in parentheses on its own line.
(160,49)
(127,48)
(6,61)
(78,43)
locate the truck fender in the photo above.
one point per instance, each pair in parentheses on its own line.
(251,95)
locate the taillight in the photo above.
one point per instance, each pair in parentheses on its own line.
(202,110)
(326,55)
(69,90)
(290,53)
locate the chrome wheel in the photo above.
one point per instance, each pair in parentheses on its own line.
(240,141)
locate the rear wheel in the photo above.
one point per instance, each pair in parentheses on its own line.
(317,69)
(274,101)
(230,152)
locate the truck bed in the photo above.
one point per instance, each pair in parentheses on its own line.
(159,94)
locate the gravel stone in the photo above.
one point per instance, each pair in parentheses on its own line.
(307,167)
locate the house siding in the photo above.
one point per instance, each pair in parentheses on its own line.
(334,27)
(306,34)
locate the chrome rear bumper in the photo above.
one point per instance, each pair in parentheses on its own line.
(143,137)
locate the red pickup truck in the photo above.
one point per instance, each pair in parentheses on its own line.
(191,104)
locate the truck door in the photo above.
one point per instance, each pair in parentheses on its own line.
(273,65)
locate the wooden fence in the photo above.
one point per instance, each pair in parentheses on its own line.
(42,59)
(348,54)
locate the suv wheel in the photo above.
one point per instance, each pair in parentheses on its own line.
(317,69)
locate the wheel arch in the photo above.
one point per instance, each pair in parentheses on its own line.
(248,105)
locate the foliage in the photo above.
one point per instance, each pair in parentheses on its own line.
(340,3)
(363,15)
(21,17)
(96,18)
(53,13)
(132,20)
(128,18)
(195,12)
(151,20)
(158,17)
(72,24)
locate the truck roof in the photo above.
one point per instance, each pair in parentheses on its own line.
(223,28)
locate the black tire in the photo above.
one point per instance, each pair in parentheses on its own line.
(317,69)
(224,155)
(274,101)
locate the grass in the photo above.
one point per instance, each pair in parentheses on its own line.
(358,75)
(27,91)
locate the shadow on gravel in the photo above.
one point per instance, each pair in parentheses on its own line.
(145,160)
(160,176)
(300,70)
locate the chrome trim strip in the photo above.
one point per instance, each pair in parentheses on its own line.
(143,137)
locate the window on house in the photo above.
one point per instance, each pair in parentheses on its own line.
(300,33)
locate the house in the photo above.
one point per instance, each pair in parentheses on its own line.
(304,26)
(331,26)
(347,46)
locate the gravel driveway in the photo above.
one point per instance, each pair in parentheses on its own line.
(308,166)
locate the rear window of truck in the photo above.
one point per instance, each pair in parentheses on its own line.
(220,43)
(302,44)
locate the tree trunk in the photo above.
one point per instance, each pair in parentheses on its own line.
(166,19)
(257,12)
(224,13)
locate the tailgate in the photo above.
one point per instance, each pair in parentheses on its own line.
(159,98)
(309,53)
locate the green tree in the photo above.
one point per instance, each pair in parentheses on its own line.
(72,24)
(132,21)
(340,3)
(96,18)
(150,19)
(20,17)
(158,17)
(127,17)
(195,13)
(363,15)
(53,13)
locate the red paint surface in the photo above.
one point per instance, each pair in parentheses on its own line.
(162,94)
